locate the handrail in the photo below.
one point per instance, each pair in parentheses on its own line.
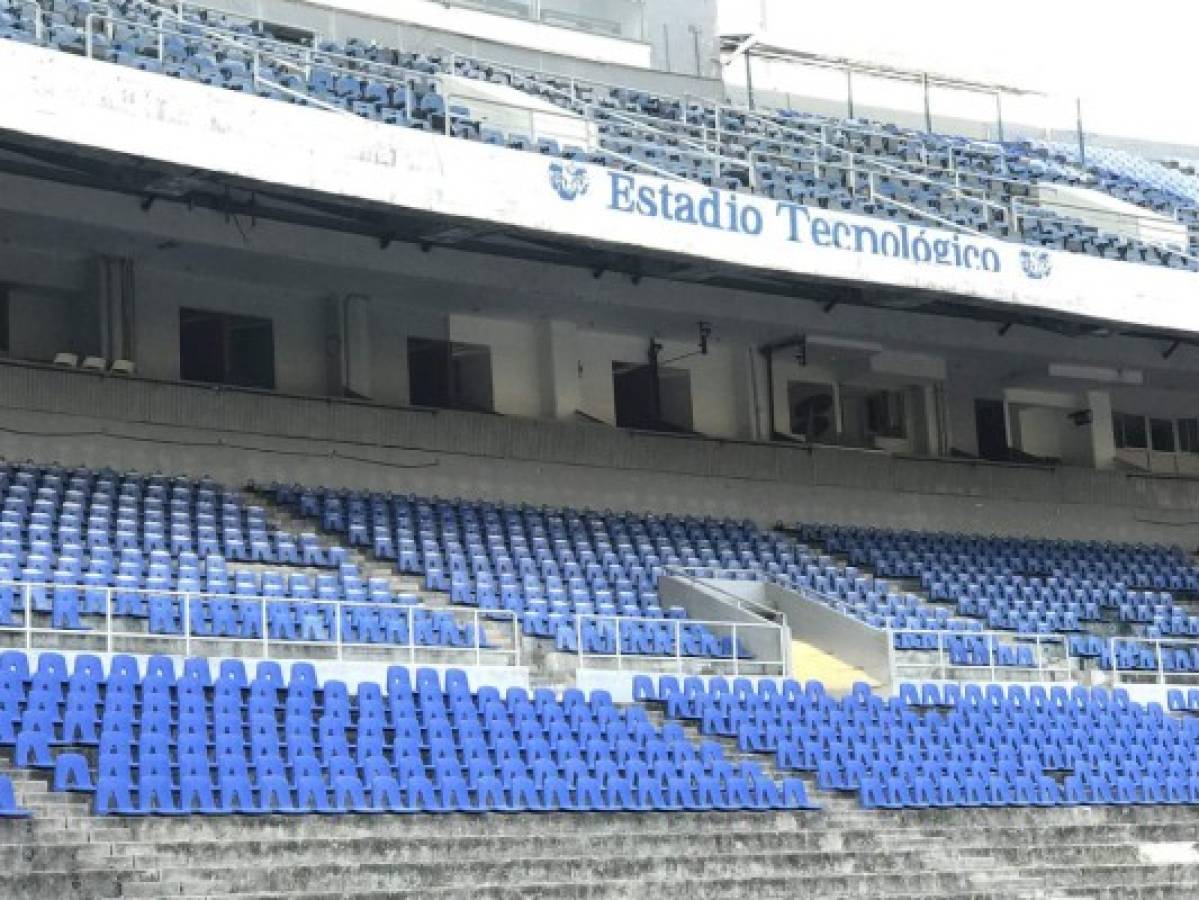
(1115,674)
(944,666)
(312,633)
(735,665)
(683,101)
(761,610)
(293,56)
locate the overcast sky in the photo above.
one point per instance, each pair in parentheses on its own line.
(1132,63)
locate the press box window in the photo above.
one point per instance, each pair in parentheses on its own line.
(1188,435)
(885,415)
(1129,431)
(449,375)
(4,326)
(223,348)
(1161,432)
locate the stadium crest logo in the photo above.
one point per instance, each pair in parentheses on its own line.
(1037,264)
(570,181)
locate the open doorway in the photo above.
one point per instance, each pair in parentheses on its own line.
(655,398)
(990,422)
(450,375)
(223,348)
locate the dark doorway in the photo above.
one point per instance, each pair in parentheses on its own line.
(449,375)
(654,398)
(991,423)
(222,348)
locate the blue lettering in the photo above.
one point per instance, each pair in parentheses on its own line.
(751,220)
(821,233)
(865,231)
(622,192)
(793,210)
(647,201)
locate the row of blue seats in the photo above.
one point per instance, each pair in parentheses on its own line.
(192,752)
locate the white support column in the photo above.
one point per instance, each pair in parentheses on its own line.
(348,346)
(558,349)
(1103,440)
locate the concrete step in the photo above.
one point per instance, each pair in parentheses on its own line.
(717,878)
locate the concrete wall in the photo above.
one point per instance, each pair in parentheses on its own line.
(238,436)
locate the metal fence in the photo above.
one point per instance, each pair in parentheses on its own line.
(757,649)
(1160,661)
(117,619)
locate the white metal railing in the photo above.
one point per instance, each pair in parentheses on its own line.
(687,105)
(266,51)
(108,624)
(1053,657)
(767,646)
(1050,656)
(746,604)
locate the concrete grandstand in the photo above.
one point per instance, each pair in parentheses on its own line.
(472,450)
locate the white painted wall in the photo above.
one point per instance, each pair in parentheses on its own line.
(40,323)
(515,357)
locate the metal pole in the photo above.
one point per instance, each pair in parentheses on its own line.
(749,80)
(736,661)
(678,645)
(28,617)
(1161,663)
(579,638)
(1082,141)
(619,658)
(187,630)
(516,639)
(928,111)
(716,158)
(478,640)
(266,645)
(999,114)
(891,669)
(108,619)
(338,609)
(849,90)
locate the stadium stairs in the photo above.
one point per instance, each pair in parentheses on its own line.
(839,852)
(811,663)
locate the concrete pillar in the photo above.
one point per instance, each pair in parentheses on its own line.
(1103,440)
(558,369)
(348,346)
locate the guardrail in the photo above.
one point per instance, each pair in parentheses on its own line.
(747,604)
(107,622)
(770,656)
(1052,659)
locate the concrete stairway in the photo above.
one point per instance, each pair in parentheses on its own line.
(547,667)
(809,662)
(839,852)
